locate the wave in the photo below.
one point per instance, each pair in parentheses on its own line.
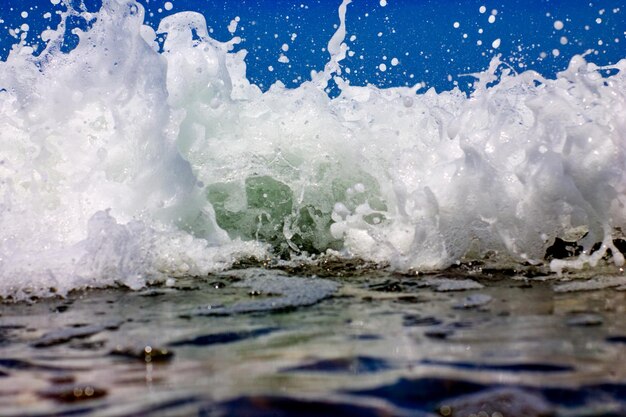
(129,162)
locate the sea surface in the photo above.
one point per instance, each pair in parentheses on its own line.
(337,339)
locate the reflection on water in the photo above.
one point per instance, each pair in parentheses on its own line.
(330,340)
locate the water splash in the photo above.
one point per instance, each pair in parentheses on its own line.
(125,165)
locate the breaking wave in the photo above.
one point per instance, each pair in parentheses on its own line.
(128,162)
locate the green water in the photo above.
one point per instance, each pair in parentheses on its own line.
(268,210)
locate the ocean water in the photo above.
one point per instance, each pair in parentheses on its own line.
(405,208)
(142,142)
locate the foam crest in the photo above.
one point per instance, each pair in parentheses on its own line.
(504,171)
(89,131)
(125,162)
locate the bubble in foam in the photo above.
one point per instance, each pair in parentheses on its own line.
(394,61)
(482,9)
(168,5)
(491,19)
(382,67)
(383,3)
(456,25)
(558,25)
(496,44)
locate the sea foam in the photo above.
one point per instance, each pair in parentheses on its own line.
(126,162)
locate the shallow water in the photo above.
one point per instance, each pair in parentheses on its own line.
(337,338)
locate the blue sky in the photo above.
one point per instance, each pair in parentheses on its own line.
(432,41)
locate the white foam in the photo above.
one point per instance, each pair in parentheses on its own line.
(449,285)
(89,131)
(593,284)
(124,166)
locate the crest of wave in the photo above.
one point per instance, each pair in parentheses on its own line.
(125,165)
(93,191)
(418,181)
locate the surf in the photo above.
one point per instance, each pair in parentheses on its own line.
(127,161)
